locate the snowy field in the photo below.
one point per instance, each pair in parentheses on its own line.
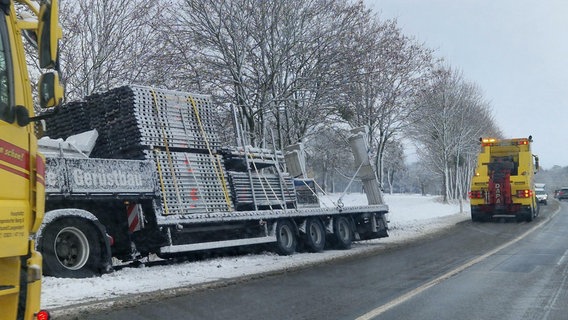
(411,216)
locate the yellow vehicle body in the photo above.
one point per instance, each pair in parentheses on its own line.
(503,183)
(21,166)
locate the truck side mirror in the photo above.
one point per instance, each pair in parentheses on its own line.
(536,163)
(50,90)
(49,34)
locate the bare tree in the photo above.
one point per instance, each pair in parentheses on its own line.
(330,158)
(395,69)
(418,178)
(452,116)
(108,43)
(393,160)
(295,66)
(279,61)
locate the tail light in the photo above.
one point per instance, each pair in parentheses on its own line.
(110,239)
(527,193)
(43,315)
(476,194)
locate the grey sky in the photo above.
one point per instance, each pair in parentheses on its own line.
(516,51)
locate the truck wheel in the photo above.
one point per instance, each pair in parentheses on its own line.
(71,249)
(475,217)
(286,241)
(529,216)
(314,239)
(342,233)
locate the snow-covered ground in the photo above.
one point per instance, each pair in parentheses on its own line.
(411,216)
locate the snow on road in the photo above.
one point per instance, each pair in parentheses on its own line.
(411,216)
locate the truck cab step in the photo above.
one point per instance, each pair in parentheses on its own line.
(8,290)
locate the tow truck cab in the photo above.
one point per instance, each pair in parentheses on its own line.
(21,166)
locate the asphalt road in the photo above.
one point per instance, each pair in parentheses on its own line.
(526,280)
(497,270)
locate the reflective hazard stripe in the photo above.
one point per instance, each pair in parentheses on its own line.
(134,212)
(14,159)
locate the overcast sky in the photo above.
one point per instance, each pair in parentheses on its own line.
(516,51)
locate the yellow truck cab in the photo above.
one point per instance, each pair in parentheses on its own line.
(21,166)
(503,183)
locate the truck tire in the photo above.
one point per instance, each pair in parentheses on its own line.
(530,215)
(314,239)
(71,248)
(286,240)
(342,237)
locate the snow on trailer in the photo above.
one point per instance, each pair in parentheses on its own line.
(153,177)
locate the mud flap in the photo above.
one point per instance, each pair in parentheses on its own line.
(382,226)
(371,226)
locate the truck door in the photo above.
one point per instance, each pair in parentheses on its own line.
(14,156)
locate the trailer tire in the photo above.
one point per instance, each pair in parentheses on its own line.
(71,248)
(314,238)
(286,240)
(342,237)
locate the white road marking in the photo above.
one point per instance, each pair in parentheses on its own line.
(561,260)
(407,296)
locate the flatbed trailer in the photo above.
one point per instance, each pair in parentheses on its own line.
(178,197)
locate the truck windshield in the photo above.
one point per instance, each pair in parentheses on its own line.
(6,111)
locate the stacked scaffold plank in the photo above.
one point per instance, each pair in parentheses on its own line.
(262,190)
(173,129)
(191,182)
(177,131)
(137,118)
(256,157)
(70,119)
(256,181)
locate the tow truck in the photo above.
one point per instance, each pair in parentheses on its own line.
(503,184)
(21,166)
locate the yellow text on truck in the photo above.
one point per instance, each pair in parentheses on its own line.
(21,166)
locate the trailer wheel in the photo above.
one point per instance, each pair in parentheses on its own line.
(314,239)
(71,249)
(342,237)
(286,241)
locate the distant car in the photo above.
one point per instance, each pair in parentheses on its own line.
(562,194)
(542,196)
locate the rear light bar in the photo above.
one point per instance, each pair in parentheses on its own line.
(476,194)
(524,193)
(489,142)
